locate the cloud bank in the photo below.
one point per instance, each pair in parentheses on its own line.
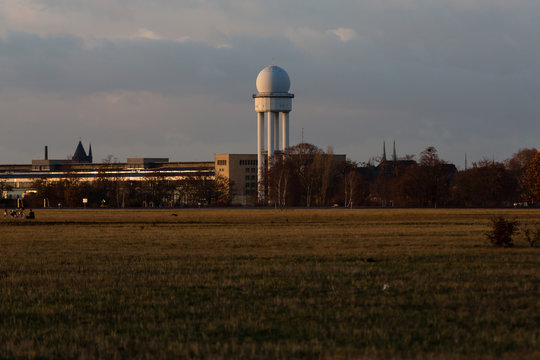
(175,79)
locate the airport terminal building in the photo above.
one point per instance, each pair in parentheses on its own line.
(240,169)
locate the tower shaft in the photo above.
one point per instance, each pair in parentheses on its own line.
(284,131)
(260,150)
(270,139)
(272,97)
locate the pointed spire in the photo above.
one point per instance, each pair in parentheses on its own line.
(384,151)
(90,152)
(394,156)
(80,155)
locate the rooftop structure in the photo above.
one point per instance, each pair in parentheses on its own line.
(80,154)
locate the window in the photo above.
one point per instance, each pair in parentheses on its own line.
(248,162)
(253,170)
(247,170)
(247,177)
(222,162)
(253,177)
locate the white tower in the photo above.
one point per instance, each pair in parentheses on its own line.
(272,97)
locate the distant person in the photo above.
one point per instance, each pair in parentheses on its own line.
(31,215)
(5,213)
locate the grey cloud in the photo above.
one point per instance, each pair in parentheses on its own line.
(64,64)
(455,77)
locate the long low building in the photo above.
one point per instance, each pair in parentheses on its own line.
(241,169)
(20,178)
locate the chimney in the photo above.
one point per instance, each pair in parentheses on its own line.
(46,152)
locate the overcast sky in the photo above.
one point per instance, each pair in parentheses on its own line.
(167,78)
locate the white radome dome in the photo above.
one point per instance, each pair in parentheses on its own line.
(273,79)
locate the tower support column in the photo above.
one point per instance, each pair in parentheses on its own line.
(276,131)
(284,131)
(260,149)
(270,140)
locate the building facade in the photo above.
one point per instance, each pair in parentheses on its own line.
(242,171)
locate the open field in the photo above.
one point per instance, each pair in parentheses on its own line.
(266,284)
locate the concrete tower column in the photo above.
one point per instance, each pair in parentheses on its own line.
(284,131)
(260,149)
(276,131)
(270,139)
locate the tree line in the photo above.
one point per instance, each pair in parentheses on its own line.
(305,175)
(155,190)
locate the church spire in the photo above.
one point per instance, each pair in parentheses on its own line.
(80,155)
(90,152)
(384,152)
(394,156)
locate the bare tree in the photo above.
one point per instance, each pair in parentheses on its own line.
(200,189)
(350,183)
(487,183)
(306,170)
(516,165)
(531,180)
(325,167)
(520,160)
(110,185)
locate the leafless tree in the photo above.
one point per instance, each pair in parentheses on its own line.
(531,180)
(350,183)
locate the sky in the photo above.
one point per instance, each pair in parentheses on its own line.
(174,79)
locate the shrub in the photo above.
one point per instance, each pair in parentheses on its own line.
(502,231)
(532,236)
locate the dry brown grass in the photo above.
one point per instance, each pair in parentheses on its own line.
(266,283)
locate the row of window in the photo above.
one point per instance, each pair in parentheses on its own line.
(222,162)
(253,177)
(253,170)
(248,162)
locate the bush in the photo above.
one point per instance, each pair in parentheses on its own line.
(502,231)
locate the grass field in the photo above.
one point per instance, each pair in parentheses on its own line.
(267,284)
